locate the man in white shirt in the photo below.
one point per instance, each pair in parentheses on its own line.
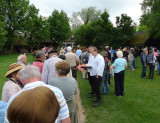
(30,76)
(48,71)
(96,73)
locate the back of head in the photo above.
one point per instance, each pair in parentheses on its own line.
(38,105)
(39,54)
(62,68)
(69,49)
(119,54)
(20,57)
(30,72)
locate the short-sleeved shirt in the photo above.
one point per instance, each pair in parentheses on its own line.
(120,64)
(67,85)
(63,113)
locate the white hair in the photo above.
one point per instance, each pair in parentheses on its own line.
(29,72)
(69,48)
(20,57)
(119,54)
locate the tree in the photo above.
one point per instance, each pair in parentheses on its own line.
(59,26)
(3,33)
(75,21)
(37,28)
(151,16)
(125,29)
(14,13)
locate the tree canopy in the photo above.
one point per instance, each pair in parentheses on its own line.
(59,26)
(151,16)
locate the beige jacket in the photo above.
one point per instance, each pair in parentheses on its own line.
(72,59)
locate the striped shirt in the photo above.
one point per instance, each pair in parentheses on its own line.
(48,71)
(63,113)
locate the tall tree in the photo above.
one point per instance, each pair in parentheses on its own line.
(89,14)
(14,13)
(75,21)
(3,33)
(125,28)
(36,28)
(59,26)
(151,16)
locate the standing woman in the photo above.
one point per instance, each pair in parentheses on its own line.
(12,85)
(152,61)
(119,70)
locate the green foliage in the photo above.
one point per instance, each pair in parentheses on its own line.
(59,26)
(142,28)
(125,28)
(14,13)
(101,32)
(151,16)
(140,103)
(3,33)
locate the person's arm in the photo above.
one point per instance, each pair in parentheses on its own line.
(144,59)
(45,72)
(67,120)
(100,67)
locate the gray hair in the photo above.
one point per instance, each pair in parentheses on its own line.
(119,54)
(39,54)
(69,48)
(20,57)
(29,72)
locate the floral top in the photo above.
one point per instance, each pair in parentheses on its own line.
(9,89)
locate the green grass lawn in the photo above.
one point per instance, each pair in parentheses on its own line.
(140,103)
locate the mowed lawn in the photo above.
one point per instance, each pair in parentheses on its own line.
(140,103)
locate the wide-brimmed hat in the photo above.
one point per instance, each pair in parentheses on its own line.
(13,67)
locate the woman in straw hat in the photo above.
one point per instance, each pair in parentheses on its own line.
(12,85)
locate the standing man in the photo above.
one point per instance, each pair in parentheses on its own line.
(78,52)
(144,62)
(96,73)
(22,60)
(48,71)
(73,60)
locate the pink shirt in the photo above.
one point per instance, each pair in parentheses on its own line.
(155,54)
(38,64)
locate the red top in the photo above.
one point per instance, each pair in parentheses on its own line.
(38,64)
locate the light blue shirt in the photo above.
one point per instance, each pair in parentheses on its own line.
(78,52)
(3,108)
(120,64)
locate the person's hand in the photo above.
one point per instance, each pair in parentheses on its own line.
(145,64)
(97,76)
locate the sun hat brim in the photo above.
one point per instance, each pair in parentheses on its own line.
(13,70)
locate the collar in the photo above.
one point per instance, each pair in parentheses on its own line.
(38,61)
(33,84)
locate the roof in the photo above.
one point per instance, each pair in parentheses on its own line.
(140,38)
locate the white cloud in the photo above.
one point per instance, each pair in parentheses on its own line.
(116,7)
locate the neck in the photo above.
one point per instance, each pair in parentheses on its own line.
(62,75)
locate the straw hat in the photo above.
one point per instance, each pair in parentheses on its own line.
(13,67)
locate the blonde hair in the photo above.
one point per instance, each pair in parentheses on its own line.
(38,105)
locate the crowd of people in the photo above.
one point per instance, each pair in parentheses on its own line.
(44,90)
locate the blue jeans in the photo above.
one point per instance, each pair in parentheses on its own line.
(105,88)
(134,63)
(143,71)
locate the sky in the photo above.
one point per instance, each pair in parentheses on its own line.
(116,7)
